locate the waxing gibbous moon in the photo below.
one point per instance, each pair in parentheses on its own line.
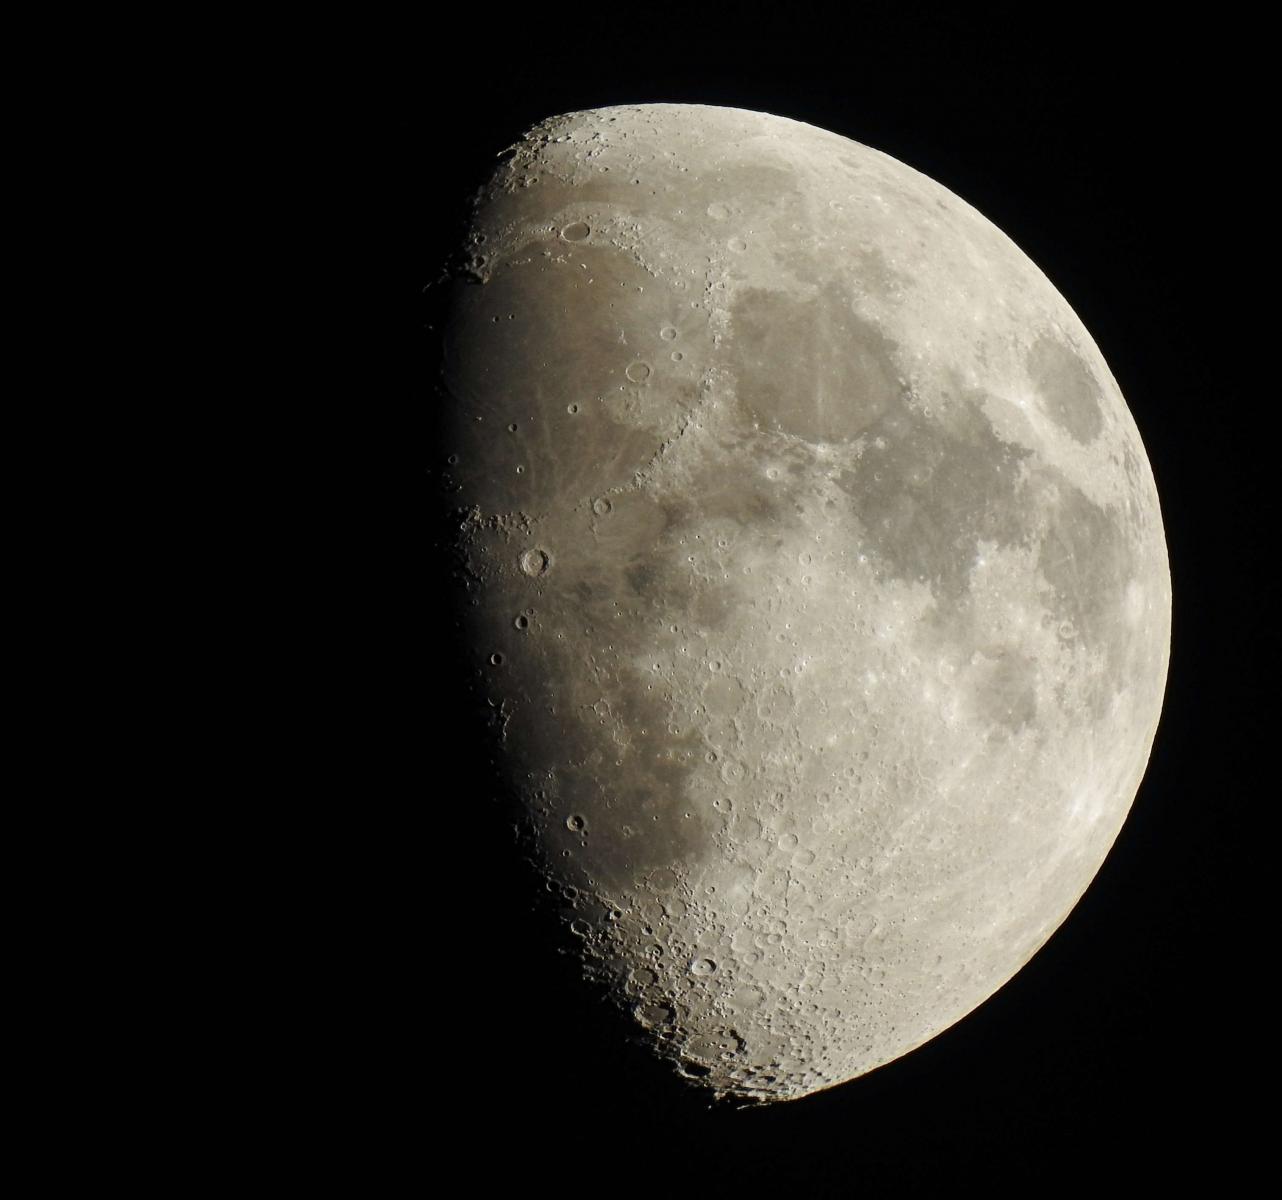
(813,569)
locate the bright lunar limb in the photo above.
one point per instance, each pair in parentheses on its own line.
(814,568)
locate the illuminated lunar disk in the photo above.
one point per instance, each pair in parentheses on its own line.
(816,575)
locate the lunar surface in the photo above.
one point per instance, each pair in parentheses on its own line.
(814,571)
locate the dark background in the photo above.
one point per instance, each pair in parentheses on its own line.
(1123,161)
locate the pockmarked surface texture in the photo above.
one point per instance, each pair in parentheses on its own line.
(816,573)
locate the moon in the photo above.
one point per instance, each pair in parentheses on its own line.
(813,569)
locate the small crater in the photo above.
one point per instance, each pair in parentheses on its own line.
(577,231)
(638,372)
(703,966)
(602,507)
(668,333)
(653,1015)
(522,622)
(575,823)
(737,245)
(663,880)
(496,660)
(534,563)
(732,772)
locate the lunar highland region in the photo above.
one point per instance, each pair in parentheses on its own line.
(812,565)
